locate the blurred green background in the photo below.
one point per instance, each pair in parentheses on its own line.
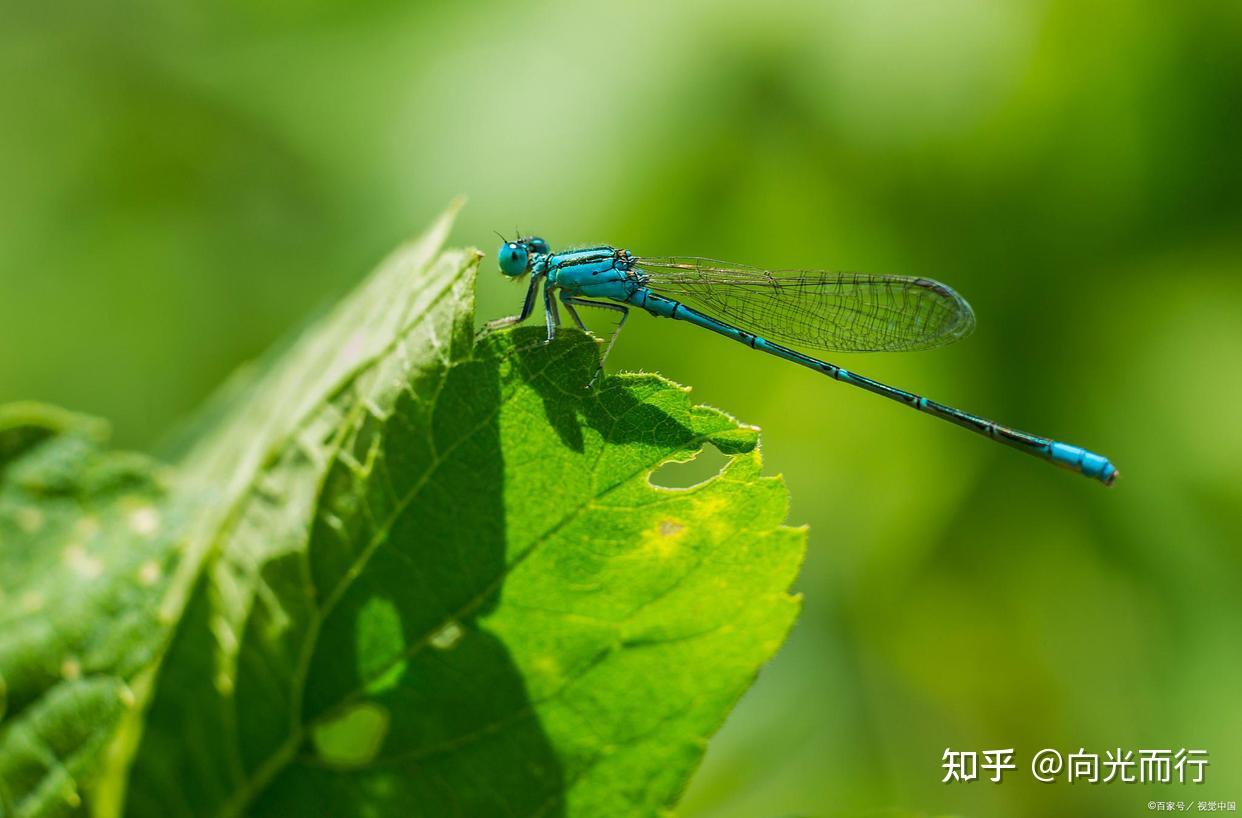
(181,183)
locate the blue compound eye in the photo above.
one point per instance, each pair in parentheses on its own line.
(513,258)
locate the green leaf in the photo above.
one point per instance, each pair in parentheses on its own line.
(85,545)
(509,618)
(421,573)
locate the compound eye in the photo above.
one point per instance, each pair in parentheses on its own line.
(513,258)
(537,245)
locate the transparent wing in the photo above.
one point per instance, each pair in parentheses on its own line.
(842,312)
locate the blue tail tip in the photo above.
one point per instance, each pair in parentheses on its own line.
(1086,463)
(1099,467)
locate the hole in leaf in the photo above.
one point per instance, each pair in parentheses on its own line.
(704,466)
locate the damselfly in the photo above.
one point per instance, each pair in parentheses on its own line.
(841,312)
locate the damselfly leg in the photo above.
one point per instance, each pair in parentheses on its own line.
(571,301)
(551,314)
(528,306)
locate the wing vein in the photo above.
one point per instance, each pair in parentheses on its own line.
(831,311)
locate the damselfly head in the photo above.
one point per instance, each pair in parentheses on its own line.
(515,256)
(514,259)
